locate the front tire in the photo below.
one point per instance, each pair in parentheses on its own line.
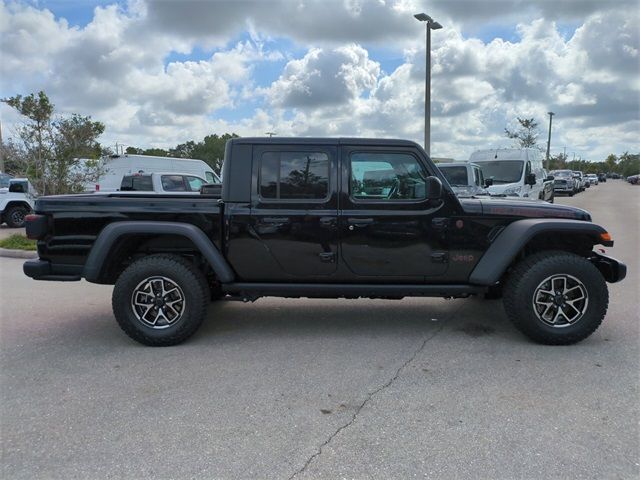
(15,216)
(160,300)
(556,298)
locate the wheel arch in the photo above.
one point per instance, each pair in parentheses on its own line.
(17,203)
(111,239)
(524,237)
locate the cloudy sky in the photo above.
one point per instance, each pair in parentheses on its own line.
(158,73)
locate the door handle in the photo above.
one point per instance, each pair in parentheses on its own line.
(359,222)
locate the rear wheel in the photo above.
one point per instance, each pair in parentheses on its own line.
(15,216)
(556,298)
(160,300)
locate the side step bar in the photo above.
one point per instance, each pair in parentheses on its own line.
(250,291)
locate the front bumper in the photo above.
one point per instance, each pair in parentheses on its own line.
(563,188)
(612,270)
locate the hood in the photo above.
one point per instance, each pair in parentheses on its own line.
(522,208)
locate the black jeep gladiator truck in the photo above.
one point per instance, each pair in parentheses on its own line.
(325,218)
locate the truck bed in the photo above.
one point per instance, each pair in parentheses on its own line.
(67,244)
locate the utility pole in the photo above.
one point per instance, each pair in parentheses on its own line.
(1,151)
(431,24)
(551,114)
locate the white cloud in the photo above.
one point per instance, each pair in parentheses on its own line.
(114,69)
(325,77)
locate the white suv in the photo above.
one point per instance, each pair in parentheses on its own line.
(16,202)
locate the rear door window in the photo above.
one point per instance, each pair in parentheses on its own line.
(136,183)
(173,183)
(294,175)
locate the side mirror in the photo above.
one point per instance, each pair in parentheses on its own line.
(434,188)
(488,182)
(530,179)
(550,178)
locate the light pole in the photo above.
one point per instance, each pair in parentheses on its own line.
(551,114)
(430,24)
(271,134)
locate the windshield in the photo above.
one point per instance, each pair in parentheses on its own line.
(562,173)
(4,180)
(503,171)
(456,176)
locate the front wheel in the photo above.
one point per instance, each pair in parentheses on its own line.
(160,300)
(556,298)
(15,216)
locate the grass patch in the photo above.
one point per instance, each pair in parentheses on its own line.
(18,242)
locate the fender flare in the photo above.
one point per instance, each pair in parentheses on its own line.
(516,235)
(112,232)
(17,203)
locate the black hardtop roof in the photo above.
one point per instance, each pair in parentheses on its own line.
(394,142)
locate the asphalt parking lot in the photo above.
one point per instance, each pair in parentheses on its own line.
(321,388)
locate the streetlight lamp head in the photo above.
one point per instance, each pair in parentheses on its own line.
(550,113)
(435,26)
(423,17)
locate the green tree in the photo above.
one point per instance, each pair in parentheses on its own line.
(526,135)
(610,163)
(57,154)
(210,149)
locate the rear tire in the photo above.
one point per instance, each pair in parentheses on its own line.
(560,317)
(15,216)
(160,300)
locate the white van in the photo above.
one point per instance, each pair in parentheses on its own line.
(117,166)
(514,172)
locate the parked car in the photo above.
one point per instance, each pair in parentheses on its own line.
(602,177)
(465,178)
(16,202)
(633,179)
(615,176)
(564,182)
(593,178)
(326,218)
(513,172)
(117,166)
(169,182)
(580,181)
(548,193)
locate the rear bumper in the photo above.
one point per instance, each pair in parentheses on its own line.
(612,270)
(44,270)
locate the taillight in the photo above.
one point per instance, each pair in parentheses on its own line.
(35,226)
(97,187)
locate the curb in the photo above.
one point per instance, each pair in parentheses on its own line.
(6,252)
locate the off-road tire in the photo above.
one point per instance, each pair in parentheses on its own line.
(181,272)
(527,275)
(14,216)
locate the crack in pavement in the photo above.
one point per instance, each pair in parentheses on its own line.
(370,395)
